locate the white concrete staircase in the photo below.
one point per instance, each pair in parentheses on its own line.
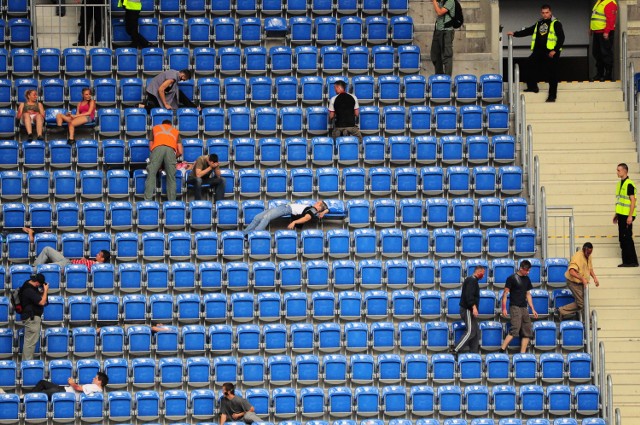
(579,140)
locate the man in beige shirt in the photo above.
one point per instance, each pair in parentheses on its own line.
(578,274)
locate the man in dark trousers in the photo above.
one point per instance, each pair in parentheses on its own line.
(519,285)
(92,13)
(602,27)
(132,10)
(206,170)
(547,39)
(624,216)
(469,312)
(33,297)
(344,108)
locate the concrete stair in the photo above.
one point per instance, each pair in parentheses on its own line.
(579,141)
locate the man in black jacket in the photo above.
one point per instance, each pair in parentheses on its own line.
(469,301)
(33,298)
(547,38)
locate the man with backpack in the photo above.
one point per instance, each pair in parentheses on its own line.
(449,17)
(33,297)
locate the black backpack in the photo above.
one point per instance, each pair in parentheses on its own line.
(15,300)
(457,19)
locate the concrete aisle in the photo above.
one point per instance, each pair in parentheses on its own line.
(579,140)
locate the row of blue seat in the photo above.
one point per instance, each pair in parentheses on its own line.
(287,275)
(329,337)
(309,369)
(311,121)
(392,401)
(72,62)
(223,30)
(286,244)
(276,182)
(271,306)
(265,7)
(286,90)
(270,151)
(178,215)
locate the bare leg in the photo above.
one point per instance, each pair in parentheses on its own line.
(39,125)
(26,119)
(506,342)
(524,344)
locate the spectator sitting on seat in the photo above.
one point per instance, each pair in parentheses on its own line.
(98,384)
(31,111)
(85,113)
(235,406)
(300,214)
(50,255)
(163,91)
(206,170)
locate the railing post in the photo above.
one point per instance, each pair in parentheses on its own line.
(522,109)
(610,400)
(516,88)
(618,417)
(529,163)
(510,68)
(623,59)
(536,190)
(543,211)
(630,98)
(587,318)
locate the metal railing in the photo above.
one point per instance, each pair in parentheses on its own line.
(624,60)
(618,417)
(609,406)
(60,32)
(512,98)
(537,200)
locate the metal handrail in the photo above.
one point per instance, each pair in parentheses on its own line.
(587,318)
(512,98)
(545,221)
(618,417)
(516,85)
(600,370)
(636,119)
(609,408)
(624,60)
(630,98)
(520,132)
(529,164)
(594,333)
(536,190)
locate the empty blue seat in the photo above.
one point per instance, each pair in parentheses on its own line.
(497,242)
(281,58)
(497,118)
(503,147)
(491,87)
(419,119)
(471,119)
(440,88)
(325,29)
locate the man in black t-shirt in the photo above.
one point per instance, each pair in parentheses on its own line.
(519,285)
(33,298)
(344,108)
(469,301)
(236,407)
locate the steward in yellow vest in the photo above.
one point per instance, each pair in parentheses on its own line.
(602,26)
(547,39)
(624,216)
(132,10)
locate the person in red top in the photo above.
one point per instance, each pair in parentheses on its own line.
(50,255)
(603,25)
(166,148)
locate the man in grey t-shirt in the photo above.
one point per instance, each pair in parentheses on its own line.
(236,407)
(442,45)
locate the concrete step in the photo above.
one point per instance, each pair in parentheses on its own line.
(586,106)
(540,135)
(597,171)
(542,142)
(608,157)
(575,114)
(576,96)
(562,127)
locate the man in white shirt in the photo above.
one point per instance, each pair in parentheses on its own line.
(300,214)
(98,384)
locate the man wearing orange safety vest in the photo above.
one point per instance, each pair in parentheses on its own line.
(165,149)
(603,24)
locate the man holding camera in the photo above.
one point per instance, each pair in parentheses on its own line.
(33,298)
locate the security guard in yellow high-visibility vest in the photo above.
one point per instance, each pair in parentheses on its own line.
(602,26)
(547,39)
(132,10)
(624,216)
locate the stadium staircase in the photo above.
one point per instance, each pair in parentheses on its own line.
(579,141)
